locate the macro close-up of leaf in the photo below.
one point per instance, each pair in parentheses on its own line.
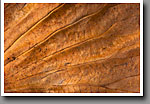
(72,48)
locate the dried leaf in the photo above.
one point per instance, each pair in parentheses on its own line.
(72,48)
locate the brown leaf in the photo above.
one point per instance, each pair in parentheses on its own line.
(72,48)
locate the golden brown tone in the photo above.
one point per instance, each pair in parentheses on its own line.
(72,48)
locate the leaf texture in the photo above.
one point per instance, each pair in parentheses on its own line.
(72,48)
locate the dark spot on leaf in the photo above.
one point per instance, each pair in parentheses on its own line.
(104,48)
(67,63)
(13,58)
(39,49)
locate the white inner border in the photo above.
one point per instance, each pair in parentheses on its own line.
(72,94)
